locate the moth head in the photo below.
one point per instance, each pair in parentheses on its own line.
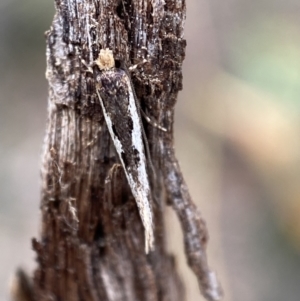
(105,60)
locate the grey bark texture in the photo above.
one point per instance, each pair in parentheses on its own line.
(91,245)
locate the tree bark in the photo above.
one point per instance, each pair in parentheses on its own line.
(91,245)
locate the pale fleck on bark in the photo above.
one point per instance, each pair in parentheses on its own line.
(91,245)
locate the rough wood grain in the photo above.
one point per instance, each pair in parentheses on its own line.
(91,245)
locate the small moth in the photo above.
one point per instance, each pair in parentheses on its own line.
(122,117)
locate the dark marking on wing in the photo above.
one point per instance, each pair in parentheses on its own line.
(136,156)
(124,158)
(115,132)
(130,124)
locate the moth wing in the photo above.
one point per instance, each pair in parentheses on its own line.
(123,121)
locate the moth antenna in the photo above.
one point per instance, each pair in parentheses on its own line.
(147,148)
(152,122)
(88,67)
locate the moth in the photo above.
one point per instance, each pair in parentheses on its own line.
(121,113)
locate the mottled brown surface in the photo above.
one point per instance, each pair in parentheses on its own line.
(92,241)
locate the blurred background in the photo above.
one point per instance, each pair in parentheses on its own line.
(237,138)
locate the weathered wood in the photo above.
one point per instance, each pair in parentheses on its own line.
(91,245)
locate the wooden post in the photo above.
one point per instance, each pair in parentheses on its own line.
(91,245)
